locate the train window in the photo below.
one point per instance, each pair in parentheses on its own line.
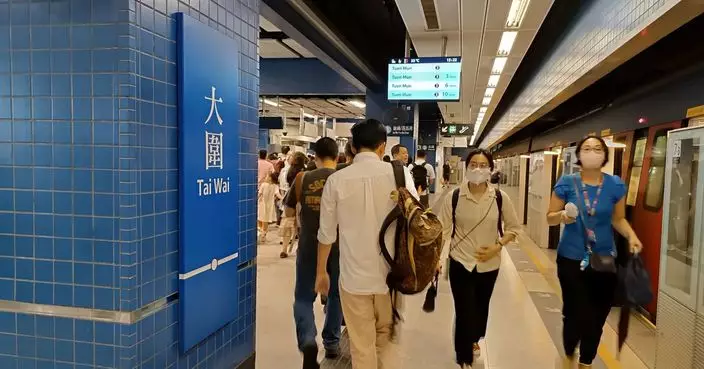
(634,181)
(654,188)
(680,223)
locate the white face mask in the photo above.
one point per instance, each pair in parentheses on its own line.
(478,176)
(591,160)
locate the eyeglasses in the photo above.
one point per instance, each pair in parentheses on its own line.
(474,165)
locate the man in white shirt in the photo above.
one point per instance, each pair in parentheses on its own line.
(357,199)
(423,166)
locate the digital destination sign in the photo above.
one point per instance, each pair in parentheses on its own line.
(425,79)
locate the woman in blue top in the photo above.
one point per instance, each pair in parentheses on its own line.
(587,295)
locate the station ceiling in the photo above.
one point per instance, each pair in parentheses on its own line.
(491,36)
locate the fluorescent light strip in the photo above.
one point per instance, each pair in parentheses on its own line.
(482,110)
(494,80)
(311,116)
(357,103)
(499,65)
(506,44)
(489,92)
(270,102)
(516,13)
(486,101)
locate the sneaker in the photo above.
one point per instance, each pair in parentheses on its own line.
(310,357)
(332,353)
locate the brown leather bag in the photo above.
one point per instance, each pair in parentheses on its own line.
(417,242)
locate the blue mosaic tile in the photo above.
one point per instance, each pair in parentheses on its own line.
(84,224)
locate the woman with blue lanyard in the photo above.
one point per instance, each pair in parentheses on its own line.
(591,204)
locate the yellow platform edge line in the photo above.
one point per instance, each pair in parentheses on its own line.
(605,354)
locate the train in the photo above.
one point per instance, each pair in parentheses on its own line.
(530,168)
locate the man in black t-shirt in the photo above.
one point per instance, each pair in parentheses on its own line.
(305,193)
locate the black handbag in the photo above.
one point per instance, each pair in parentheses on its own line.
(598,263)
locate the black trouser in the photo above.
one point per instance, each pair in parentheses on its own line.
(587,297)
(472,293)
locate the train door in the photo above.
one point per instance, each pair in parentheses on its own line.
(540,181)
(524,172)
(645,194)
(681,318)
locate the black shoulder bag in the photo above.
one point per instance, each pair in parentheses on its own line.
(598,263)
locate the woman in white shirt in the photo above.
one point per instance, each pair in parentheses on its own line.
(474,228)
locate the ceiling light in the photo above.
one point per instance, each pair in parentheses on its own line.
(494,80)
(489,92)
(525,156)
(486,101)
(357,103)
(499,64)
(516,13)
(311,116)
(482,110)
(507,40)
(270,102)
(551,153)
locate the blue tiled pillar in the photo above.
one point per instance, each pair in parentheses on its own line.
(88,183)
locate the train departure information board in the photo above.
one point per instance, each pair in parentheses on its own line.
(425,79)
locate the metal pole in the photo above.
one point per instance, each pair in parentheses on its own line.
(301,126)
(416,114)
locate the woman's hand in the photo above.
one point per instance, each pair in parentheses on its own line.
(634,244)
(566,219)
(485,253)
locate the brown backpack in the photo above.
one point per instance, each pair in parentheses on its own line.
(417,242)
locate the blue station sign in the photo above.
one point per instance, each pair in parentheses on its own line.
(208,99)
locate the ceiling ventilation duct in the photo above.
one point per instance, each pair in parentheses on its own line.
(431,15)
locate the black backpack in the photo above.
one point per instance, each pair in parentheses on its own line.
(499,204)
(420,175)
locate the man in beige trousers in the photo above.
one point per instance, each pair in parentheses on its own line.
(357,199)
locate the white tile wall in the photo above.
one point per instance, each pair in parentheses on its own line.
(602,29)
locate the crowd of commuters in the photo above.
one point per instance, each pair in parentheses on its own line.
(336,205)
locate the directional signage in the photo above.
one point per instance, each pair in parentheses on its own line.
(456,129)
(425,79)
(399,130)
(424,147)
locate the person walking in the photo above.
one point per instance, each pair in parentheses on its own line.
(446,171)
(425,174)
(266,204)
(349,156)
(307,191)
(591,204)
(264,167)
(357,199)
(287,229)
(472,220)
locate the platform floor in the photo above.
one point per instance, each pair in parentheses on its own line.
(524,327)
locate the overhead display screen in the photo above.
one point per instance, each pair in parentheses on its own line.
(425,79)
